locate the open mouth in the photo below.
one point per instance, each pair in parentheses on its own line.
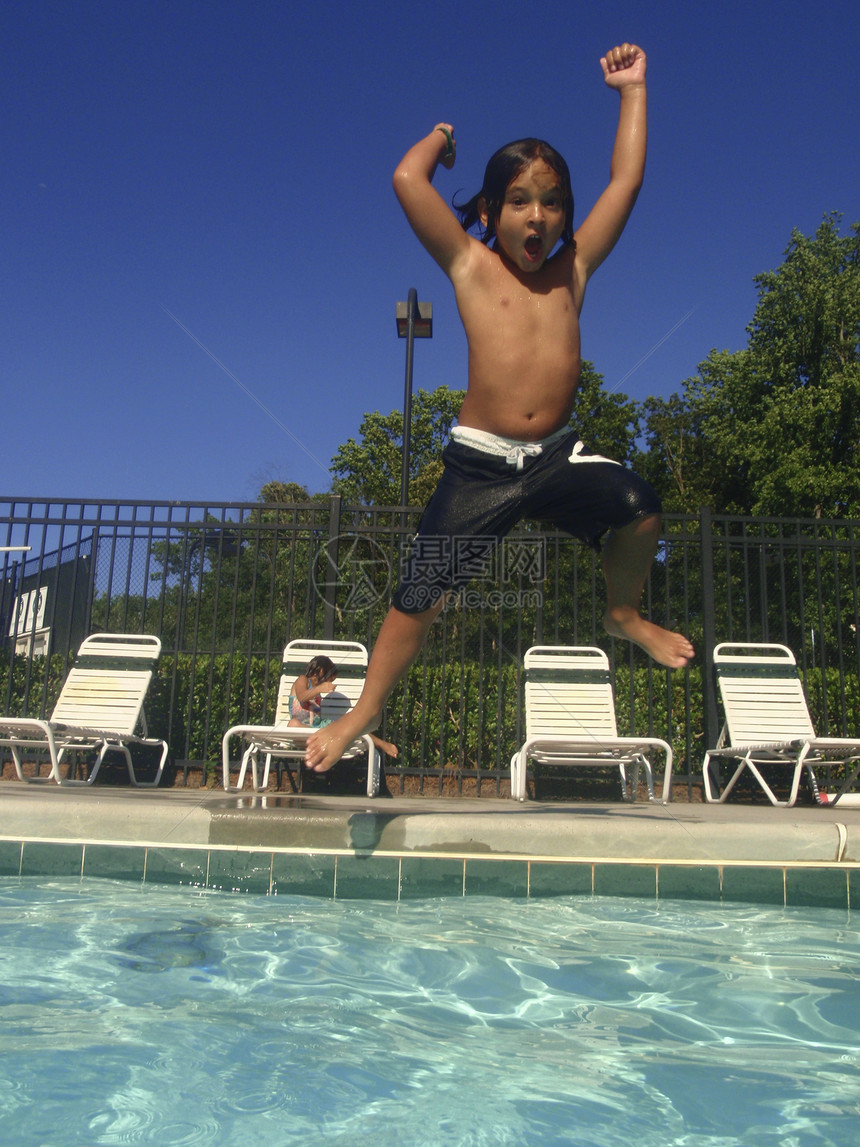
(534,246)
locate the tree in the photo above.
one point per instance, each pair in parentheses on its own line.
(774,429)
(696,443)
(674,461)
(607,420)
(805,345)
(280,492)
(367,472)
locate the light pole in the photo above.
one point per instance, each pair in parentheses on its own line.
(414,321)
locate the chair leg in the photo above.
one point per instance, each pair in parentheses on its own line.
(649,776)
(255,758)
(711,778)
(243,768)
(768,791)
(19,768)
(374,771)
(157,779)
(629,786)
(849,780)
(103,751)
(519,764)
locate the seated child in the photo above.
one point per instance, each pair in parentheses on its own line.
(306,690)
(305,693)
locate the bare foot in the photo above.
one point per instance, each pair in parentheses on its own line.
(387,747)
(670,649)
(327,745)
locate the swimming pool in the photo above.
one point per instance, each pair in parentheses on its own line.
(150,1015)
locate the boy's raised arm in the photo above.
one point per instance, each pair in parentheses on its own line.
(624,70)
(429,216)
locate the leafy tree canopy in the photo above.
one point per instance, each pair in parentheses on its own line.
(283,492)
(367,472)
(774,429)
(607,420)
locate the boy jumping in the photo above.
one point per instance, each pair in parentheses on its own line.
(513,454)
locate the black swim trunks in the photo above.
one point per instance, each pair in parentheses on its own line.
(486,489)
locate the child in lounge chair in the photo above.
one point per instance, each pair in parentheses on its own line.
(306,707)
(307,689)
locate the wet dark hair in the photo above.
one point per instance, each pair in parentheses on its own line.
(504,166)
(321,664)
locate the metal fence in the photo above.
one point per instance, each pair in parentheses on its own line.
(225,587)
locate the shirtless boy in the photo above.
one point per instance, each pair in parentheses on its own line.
(519,291)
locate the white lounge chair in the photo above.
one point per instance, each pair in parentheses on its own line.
(99,709)
(278,741)
(767,722)
(570,720)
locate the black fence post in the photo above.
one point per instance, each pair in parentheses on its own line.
(709,628)
(331,582)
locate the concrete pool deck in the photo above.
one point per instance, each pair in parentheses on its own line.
(400,848)
(421,826)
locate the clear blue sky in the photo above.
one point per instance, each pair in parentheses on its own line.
(230,163)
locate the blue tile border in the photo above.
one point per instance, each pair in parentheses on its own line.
(10,857)
(423,877)
(363,875)
(42,858)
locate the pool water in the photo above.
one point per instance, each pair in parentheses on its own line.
(145,1015)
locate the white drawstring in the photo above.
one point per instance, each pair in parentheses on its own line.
(513,450)
(516,456)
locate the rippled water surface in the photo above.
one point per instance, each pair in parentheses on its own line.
(146,1015)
